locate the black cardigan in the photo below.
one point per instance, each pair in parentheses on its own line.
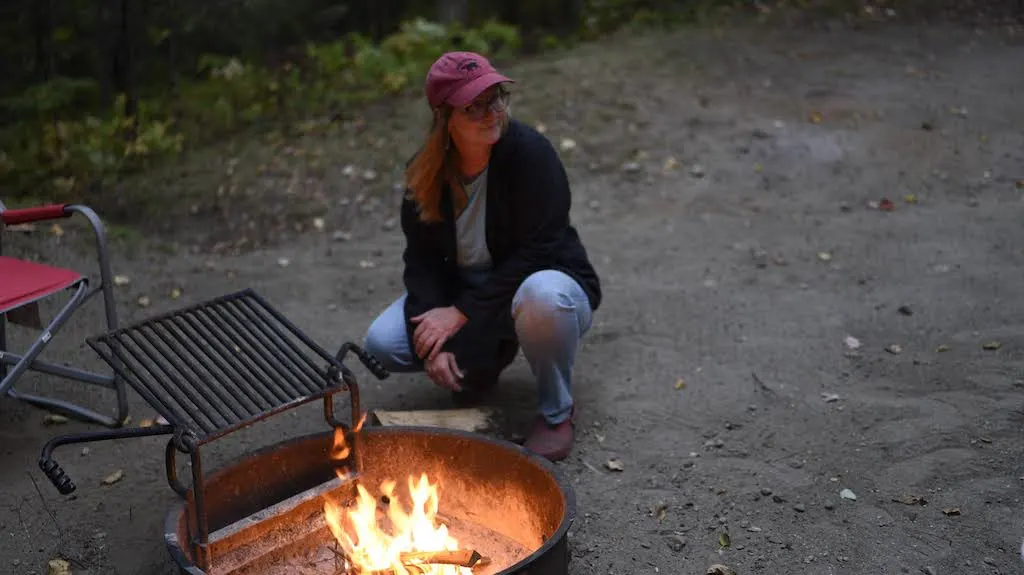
(527,229)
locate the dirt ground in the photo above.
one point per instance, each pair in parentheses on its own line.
(727,185)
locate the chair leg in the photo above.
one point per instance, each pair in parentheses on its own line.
(109,304)
(72,409)
(3,344)
(37,347)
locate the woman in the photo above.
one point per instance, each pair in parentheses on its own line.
(491,260)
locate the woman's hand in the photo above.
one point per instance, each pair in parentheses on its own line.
(443,371)
(434,328)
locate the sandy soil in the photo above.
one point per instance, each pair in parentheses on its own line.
(724,186)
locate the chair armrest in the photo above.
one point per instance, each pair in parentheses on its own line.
(36,214)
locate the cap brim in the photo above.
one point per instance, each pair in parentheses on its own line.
(466,94)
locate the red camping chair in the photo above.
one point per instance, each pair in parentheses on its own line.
(23,283)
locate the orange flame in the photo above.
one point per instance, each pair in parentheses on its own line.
(373,540)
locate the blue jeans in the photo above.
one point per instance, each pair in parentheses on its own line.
(551,313)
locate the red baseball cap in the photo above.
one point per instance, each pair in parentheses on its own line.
(457,78)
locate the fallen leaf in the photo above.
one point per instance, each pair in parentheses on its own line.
(614,465)
(143,301)
(816,117)
(951,511)
(122,280)
(113,477)
(991,345)
(910,198)
(680,384)
(724,540)
(671,164)
(894,349)
(54,419)
(659,510)
(911,500)
(886,205)
(56,230)
(852,342)
(1020,184)
(58,567)
(942,348)
(146,423)
(175,293)
(847,494)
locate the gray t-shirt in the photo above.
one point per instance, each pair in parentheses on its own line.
(473,257)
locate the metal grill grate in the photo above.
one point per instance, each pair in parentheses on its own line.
(219,365)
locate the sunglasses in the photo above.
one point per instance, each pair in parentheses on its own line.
(497,101)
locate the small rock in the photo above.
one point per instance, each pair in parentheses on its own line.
(58,567)
(766,491)
(905,310)
(631,167)
(340,236)
(829,505)
(697,171)
(568,144)
(284,262)
(719,569)
(143,301)
(389,224)
(675,543)
(778,498)
(894,349)
(799,508)
(928,570)
(369,175)
(847,494)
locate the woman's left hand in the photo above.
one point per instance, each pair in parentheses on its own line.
(434,328)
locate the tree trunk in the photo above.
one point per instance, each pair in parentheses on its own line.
(452,11)
(124,76)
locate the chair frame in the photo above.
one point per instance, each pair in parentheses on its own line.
(13,365)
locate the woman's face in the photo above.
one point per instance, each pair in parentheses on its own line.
(479,123)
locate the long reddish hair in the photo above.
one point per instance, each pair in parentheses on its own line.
(437,164)
(434,166)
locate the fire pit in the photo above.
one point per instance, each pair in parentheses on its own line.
(347,501)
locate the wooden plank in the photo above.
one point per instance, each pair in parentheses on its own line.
(475,419)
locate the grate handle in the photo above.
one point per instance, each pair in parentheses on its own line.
(365,357)
(56,474)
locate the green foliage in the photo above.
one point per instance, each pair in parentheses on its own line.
(60,151)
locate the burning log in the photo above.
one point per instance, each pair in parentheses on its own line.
(461,558)
(417,562)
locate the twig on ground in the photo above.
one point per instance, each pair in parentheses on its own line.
(53,516)
(761,384)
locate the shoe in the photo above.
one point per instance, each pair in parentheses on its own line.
(553,442)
